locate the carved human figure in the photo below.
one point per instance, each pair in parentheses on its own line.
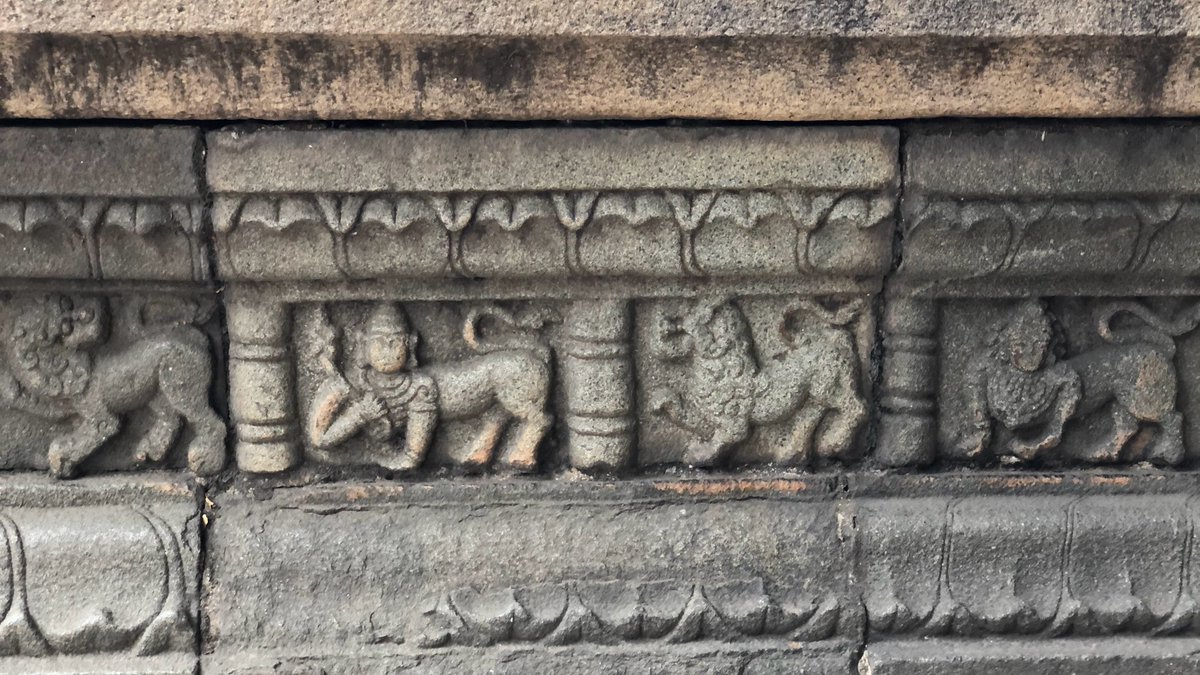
(813,386)
(1019,388)
(390,397)
(387,393)
(51,371)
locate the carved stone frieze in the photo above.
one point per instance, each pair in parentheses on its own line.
(544,204)
(1040,314)
(1034,565)
(101,203)
(589,299)
(1051,202)
(110,329)
(616,612)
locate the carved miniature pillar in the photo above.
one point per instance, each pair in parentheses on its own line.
(261,388)
(908,428)
(597,372)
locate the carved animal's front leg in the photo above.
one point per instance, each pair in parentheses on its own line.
(975,442)
(417,438)
(93,430)
(1067,392)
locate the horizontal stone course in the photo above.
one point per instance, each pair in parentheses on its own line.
(452,60)
(662,399)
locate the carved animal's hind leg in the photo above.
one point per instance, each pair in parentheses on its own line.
(94,429)
(798,449)
(483,447)
(838,435)
(155,443)
(1124,426)
(520,455)
(189,396)
(712,452)
(1168,447)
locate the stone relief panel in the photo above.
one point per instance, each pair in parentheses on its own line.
(101,203)
(1033,565)
(535,385)
(1041,314)
(767,380)
(110,326)
(93,382)
(444,299)
(481,568)
(372,391)
(1054,381)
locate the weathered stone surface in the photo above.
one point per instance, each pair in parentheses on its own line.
(100,575)
(452,575)
(1040,314)
(101,203)
(95,382)
(107,319)
(727,202)
(559,293)
(1028,565)
(1103,656)
(843,60)
(1058,205)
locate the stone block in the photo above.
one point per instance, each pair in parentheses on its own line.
(100,577)
(109,323)
(537,300)
(1044,566)
(533,576)
(101,203)
(1098,656)
(1042,311)
(631,59)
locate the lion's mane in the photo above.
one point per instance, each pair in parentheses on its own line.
(724,371)
(38,356)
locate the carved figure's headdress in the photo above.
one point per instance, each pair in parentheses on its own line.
(387,319)
(1028,316)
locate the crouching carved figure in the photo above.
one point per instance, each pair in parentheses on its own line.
(813,386)
(54,368)
(386,395)
(1021,395)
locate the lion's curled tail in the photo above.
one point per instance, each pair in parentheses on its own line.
(528,327)
(1158,330)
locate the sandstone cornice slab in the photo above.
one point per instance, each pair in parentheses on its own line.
(452,60)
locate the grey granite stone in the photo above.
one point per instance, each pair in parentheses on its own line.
(1040,314)
(1101,656)
(101,381)
(100,577)
(516,574)
(747,202)
(534,300)
(109,324)
(1028,565)
(625,59)
(101,203)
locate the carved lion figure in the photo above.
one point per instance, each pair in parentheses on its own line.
(813,387)
(1021,389)
(55,370)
